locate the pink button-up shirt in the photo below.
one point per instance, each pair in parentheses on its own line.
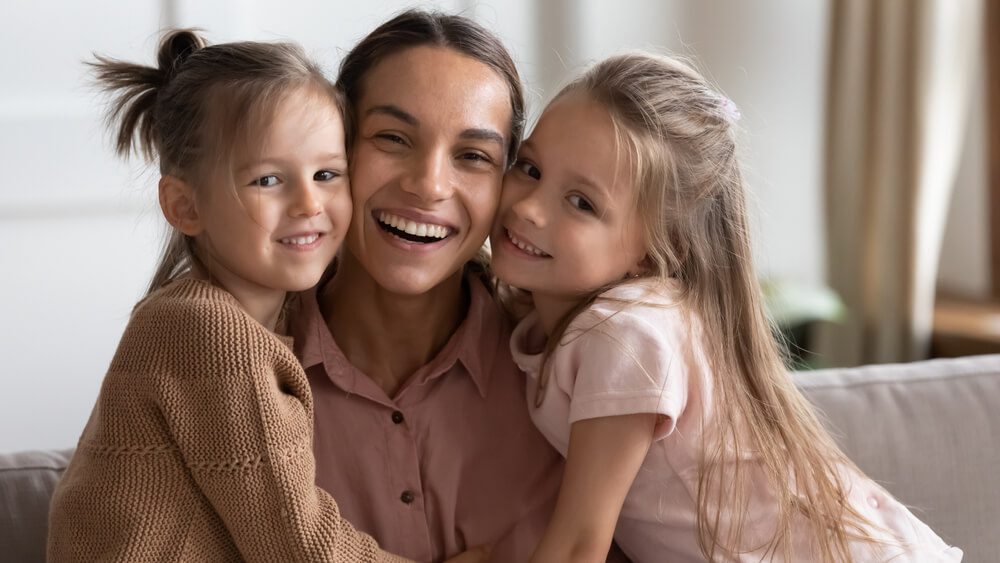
(451,461)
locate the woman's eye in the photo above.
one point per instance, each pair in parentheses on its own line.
(528,168)
(581,203)
(476,157)
(325,175)
(394,139)
(265,181)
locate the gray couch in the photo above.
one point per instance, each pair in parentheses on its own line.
(929,431)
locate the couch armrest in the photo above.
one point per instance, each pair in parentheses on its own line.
(27,480)
(927,431)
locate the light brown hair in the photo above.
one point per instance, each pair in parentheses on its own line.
(197,106)
(678,135)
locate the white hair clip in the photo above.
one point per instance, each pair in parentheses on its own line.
(732,112)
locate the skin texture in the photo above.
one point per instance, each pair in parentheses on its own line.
(569,198)
(292,184)
(433,127)
(567,226)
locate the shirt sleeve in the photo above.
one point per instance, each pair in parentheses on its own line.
(240,411)
(621,365)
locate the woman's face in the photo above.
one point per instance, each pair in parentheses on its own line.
(432,134)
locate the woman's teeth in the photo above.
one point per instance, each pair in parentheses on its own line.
(525,246)
(412,227)
(300,241)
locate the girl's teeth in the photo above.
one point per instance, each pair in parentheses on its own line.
(412,227)
(300,241)
(526,247)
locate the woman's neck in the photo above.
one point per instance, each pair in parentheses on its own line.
(389,336)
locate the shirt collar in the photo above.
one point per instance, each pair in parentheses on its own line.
(482,335)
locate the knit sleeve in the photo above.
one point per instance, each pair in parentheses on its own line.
(239,408)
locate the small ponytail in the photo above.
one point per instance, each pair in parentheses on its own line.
(175,48)
(134,89)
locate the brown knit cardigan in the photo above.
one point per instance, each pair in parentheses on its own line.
(200,447)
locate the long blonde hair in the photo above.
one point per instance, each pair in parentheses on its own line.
(679,136)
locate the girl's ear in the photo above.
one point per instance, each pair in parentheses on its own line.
(641,268)
(178,205)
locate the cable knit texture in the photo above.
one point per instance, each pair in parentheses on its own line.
(200,447)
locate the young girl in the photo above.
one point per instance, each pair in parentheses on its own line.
(655,370)
(200,445)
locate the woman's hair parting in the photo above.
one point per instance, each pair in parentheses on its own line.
(677,135)
(190,111)
(416,28)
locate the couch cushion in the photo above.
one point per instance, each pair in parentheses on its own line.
(927,431)
(27,480)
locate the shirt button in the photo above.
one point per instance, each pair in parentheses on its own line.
(407,497)
(397,417)
(873,501)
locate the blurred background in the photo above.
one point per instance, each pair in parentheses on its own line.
(866,131)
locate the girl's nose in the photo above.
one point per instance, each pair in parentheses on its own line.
(306,202)
(531,208)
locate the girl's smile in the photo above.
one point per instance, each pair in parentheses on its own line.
(523,246)
(568,222)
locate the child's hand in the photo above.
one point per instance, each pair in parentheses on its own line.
(479,554)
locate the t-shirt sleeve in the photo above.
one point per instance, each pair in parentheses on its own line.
(623,365)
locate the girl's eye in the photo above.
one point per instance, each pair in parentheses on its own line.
(266,181)
(581,203)
(326,175)
(528,168)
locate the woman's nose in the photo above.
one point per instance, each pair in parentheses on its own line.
(431,179)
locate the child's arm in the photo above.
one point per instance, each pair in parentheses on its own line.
(238,409)
(603,458)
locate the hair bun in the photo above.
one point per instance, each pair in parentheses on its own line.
(176,46)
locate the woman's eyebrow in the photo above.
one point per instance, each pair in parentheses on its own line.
(395,111)
(483,134)
(475,133)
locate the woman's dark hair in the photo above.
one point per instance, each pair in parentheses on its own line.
(197,105)
(414,28)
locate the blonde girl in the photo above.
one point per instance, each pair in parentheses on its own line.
(200,445)
(653,367)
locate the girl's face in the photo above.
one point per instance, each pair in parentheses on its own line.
(567,224)
(286,218)
(433,129)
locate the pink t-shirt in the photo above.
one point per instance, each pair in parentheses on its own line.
(619,358)
(451,461)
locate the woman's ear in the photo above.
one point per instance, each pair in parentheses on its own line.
(178,205)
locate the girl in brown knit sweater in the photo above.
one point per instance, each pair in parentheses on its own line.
(199,447)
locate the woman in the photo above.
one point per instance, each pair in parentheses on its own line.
(422,430)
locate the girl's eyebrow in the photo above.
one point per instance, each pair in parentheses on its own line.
(590,184)
(325,157)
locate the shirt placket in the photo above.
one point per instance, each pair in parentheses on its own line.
(405,479)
